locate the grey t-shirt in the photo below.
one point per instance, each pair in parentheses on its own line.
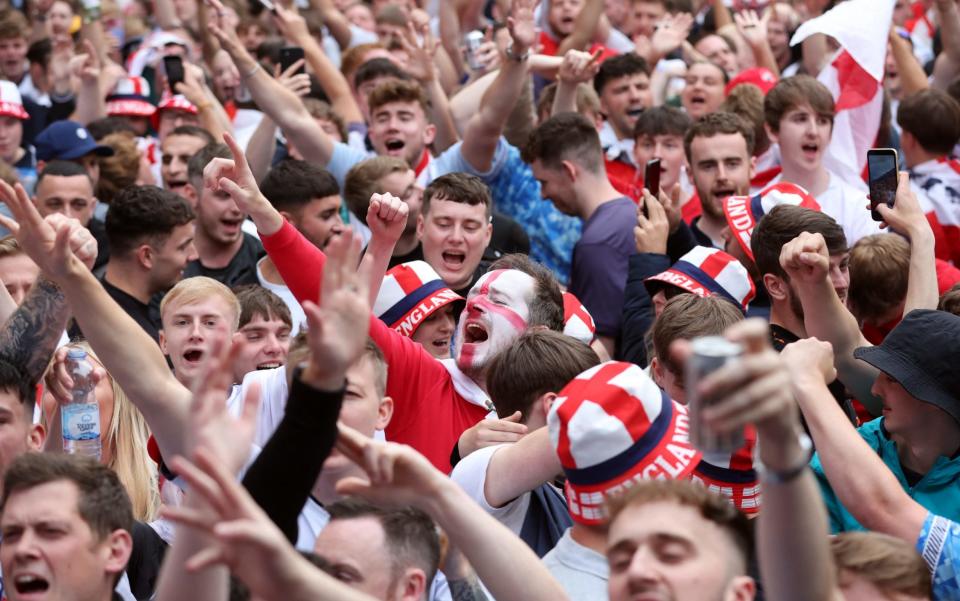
(582,572)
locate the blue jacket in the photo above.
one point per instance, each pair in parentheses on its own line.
(938,490)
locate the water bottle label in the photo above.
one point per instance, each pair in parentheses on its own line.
(81,421)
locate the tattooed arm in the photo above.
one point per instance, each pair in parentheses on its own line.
(30,337)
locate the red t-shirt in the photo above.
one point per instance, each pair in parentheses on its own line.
(429,413)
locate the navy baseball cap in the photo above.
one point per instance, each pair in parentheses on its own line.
(922,354)
(68,141)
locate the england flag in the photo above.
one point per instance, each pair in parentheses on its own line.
(854,76)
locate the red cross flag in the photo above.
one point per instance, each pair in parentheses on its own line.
(854,76)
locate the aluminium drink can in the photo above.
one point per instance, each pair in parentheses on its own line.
(471,44)
(708,354)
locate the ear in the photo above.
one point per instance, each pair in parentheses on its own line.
(777,288)
(539,410)
(145,256)
(753,167)
(413,584)
(36,437)
(162,340)
(420,226)
(117,548)
(288,216)
(906,140)
(191,194)
(429,133)
(571,169)
(741,588)
(489,235)
(384,413)
(774,138)
(656,368)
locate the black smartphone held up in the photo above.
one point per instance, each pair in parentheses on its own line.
(267,4)
(651,177)
(290,55)
(882,169)
(173,67)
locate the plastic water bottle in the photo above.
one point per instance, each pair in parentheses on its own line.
(80,418)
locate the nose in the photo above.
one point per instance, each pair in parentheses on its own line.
(642,573)
(721,171)
(195,330)
(192,254)
(25,547)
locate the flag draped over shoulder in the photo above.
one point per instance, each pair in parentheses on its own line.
(854,76)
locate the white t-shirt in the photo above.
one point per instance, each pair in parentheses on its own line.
(471,475)
(848,205)
(297,316)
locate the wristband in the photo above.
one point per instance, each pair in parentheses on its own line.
(768,476)
(251,72)
(517,58)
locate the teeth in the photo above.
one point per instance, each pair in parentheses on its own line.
(27,579)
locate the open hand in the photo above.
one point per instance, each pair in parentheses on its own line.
(338,327)
(52,243)
(209,424)
(521,24)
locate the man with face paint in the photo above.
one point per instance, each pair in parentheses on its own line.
(516,294)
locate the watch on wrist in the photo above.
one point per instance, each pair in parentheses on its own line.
(519,58)
(770,476)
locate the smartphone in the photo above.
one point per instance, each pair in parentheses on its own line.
(173,67)
(267,4)
(290,55)
(651,177)
(882,170)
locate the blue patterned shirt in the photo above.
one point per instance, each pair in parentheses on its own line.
(939,544)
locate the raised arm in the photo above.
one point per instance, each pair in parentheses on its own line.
(947,64)
(275,100)
(398,475)
(862,483)
(483,131)
(213,117)
(584,28)
(31,334)
(912,76)
(126,350)
(90,99)
(753,30)
(795,561)
(422,66)
(229,440)
(386,216)
(807,263)
(907,218)
(577,68)
(246,541)
(294,28)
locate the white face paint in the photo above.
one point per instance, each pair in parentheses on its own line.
(497,311)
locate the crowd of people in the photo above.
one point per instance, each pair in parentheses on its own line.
(402,299)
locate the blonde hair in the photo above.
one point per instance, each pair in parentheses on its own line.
(9,247)
(126,436)
(199,288)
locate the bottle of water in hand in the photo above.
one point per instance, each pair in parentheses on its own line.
(80,418)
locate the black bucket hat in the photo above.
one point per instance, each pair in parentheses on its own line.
(923,354)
